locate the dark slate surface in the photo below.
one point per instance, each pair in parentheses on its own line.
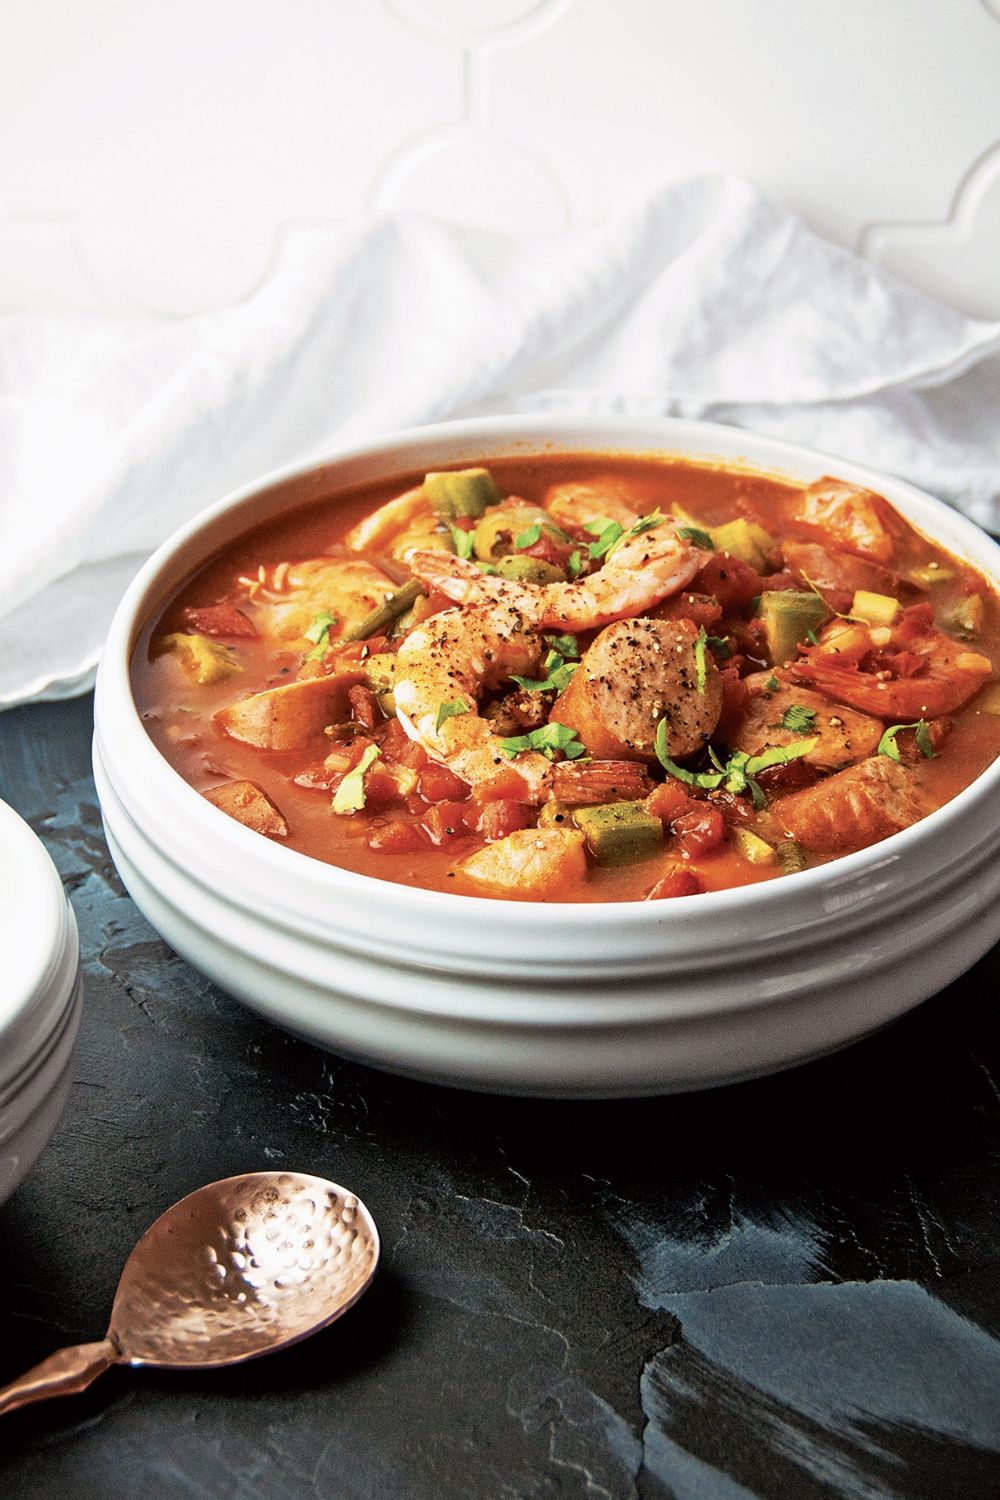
(786,1289)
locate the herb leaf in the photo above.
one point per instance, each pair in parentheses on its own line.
(720,646)
(529,537)
(550,738)
(798,719)
(462,540)
(319,633)
(887,744)
(449,711)
(606,538)
(565,644)
(739,772)
(350,794)
(697,536)
(574,565)
(558,674)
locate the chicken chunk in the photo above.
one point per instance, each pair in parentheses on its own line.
(289,717)
(537,864)
(855,808)
(346,588)
(636,673)
(245,802)
(842,735)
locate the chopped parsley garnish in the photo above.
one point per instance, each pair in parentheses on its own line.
(812,637)
(697,536)
(607,533)
(887,744)
(797,719)
(449,710)
(565,644)
(529,537)
(319,633)
(574,565)
(644,523)
(740,771)
(700,647)
(772,684)
(462,540)
(350,794)
(548,739)
(720,646)
(558,673)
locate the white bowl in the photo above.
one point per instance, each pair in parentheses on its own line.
(618,999)
(39,1000)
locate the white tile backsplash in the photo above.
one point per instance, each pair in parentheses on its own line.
(153,156)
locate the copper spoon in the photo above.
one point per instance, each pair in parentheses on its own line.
(237,1269)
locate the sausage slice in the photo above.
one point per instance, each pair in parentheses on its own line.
(636,673)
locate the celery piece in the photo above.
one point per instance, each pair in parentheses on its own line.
(788,618)
(791,857)
(204,660)
(988,701)
(754,849)
(391,609)
(619,832)
(529,570)
(965,616)
(743,539)
(461,492)
(929,575)
(874,609)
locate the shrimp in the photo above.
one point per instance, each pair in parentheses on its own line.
(289,601)
(641,571)
(853,517)
(449,662)
(936,674)
(581,502)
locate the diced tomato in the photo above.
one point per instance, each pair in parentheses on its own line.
(393,738)
(735,696)
(438,784)
(733,582)
(669,801)
(676,882)
(546,549)
(736,810)
(449,820)
(397,837)
(752,639)
(700,609)
(363,705)
(357,747)
(506,783)
(778,582)
(502,816)
(220,619)
(413,755)
(914,621)
(793,776)
(699,831)
(381,787)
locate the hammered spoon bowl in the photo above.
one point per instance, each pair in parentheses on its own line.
(239,1268)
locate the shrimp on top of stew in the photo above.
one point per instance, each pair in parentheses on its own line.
(579,679)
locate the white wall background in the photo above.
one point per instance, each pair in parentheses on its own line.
(157,155)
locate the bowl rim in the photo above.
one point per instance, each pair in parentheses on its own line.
(523,436)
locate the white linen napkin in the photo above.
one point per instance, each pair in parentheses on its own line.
(706,300)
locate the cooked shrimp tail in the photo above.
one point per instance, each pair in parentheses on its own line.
(641,571)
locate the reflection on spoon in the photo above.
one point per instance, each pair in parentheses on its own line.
(237,1269)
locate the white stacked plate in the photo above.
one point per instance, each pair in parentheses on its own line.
(40,999)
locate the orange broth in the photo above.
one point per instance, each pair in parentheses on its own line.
(178,713)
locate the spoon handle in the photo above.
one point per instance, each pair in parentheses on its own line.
(64,1373)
